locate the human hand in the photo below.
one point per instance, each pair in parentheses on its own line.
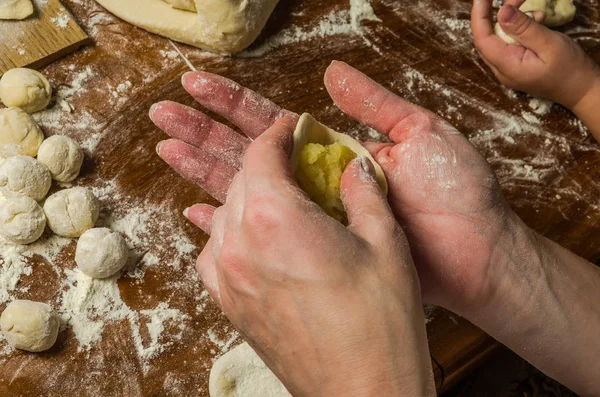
(332,310)
(547,64)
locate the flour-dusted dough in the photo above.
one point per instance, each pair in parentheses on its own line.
(187,5)
(15,9)
(101,252)
(71,212)
(26,89)
(30,326)
(241,373)
(221,26)
(309,130)
(19,134)
(557,13)
(62,156)
(22,220)
(24,176)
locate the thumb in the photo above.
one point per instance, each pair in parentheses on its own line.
(369,214)
(525,29)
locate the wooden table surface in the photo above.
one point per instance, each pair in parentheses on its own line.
(167,331)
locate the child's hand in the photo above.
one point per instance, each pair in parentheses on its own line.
(547,64)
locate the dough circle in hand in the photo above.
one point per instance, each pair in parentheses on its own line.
(19,134)
(241,373)
(15,9)
(24,176)
(26,89)
(101,252)
(221,26)
(30,326)
(71,212)
(62,156)
(22,220)
(557,13)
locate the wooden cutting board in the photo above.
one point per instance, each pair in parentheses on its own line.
(50,33)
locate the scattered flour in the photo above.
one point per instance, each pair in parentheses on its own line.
(540,106)
(61,20)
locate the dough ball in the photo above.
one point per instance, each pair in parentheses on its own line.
(24,176)
(241,373)
(30,326)
(187,5)
(15,9)
(22,220)
(19,134)
(71,212)
(101,252)
(62,156)
(26,89)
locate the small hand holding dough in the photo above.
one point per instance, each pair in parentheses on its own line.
(30,326)
(241,373)
(22,220)
(26,89)
(19,134)
(557,13)
(101,253)
(15,9)
(62,156)
(71,212)
(24,176)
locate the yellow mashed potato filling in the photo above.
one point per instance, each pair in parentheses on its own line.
(319,174)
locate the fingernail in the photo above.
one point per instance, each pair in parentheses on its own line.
(158,146)
(367,168)
(509,14)
(184,76)
(186,212)
(153,109)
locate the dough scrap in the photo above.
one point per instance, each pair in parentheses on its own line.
(187,5)
(101,252)
(62,156)
(241,373)
(221,26)
(71,212)
(24,176)
(30,326)
(26,89)
(15,9)
(19,133)
(557,13)
(22,220)
(308,130)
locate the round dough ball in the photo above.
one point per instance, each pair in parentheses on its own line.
(241,373)
(71,212)
(19,134)
(62,156)
(30,326)
(22,220)
(24,176)
(26,89)
(101,252)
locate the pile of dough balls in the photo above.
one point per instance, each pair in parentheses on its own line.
(24,183)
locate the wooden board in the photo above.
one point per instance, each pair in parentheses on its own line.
(546,163)
(48,34)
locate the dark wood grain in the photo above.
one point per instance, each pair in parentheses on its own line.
(420,50)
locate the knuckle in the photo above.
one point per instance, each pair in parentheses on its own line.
(523,25)
(261,215)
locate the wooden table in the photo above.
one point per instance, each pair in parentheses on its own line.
(547,165)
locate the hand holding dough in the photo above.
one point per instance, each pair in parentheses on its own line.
(557,13)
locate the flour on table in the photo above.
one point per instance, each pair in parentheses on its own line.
(62,20)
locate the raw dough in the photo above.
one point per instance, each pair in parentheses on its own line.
(558,12)
(15,9)
(241,373)
(19,134)
(62,156)
(24,176)
(22,220)
(30,326)
(187,5)
(309,130)
(26,89)
(101,252)
(71,212)
(221,26)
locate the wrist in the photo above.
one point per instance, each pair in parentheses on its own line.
(589,103)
